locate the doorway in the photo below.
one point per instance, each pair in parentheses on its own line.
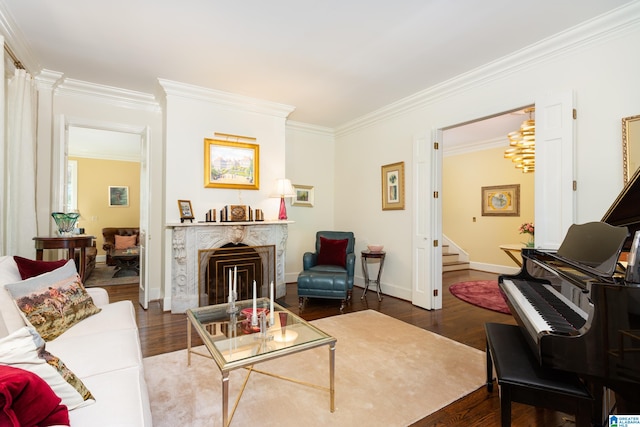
(122,152)
(473,158)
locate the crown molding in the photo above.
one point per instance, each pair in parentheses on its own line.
(476,146)
(309,128)
(48,79)
(108,94)
(13,37)
(224,99)
(615,23)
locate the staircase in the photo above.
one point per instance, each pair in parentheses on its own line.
(451,260)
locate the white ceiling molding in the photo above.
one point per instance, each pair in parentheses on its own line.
(309,128)
(111,95)
(14,38)
(225,99)
(475,146)
(612,24)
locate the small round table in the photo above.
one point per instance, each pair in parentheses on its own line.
(366,255)
(80,241)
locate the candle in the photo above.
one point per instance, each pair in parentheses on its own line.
(271,319)
(235,282)
(254,317)
(230,288)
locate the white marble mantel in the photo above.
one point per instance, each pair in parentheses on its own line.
(189,238)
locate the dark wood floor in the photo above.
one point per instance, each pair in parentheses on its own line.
(162,332)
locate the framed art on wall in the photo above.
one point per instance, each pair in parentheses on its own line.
(393,186)
(118,196)
(304,195)
(501,200)
(234,165)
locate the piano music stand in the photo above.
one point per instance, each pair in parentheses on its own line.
(523,380)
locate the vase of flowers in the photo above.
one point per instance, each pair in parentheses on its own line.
(528,229)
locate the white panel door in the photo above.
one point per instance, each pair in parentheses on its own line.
(145,190)
(426,247)
(554,175)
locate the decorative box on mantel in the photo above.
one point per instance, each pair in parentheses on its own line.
(189,240)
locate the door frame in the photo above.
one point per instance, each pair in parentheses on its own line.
(59,176)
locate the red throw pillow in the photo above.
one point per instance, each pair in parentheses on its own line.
(30,268)
(27,400)
(333,252)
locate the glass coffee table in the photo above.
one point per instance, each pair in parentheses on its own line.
(233,343)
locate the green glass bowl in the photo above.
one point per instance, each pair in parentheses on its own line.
(66,222)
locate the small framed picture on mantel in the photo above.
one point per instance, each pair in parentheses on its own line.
(186,212)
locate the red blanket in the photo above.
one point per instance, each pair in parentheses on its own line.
(28,401)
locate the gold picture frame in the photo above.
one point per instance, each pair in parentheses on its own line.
(304,195)
(393,186)
(186,211)
(234,165)
(501,200)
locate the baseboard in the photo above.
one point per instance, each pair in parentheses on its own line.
(493,268)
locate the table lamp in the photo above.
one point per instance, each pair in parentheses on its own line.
(283,189)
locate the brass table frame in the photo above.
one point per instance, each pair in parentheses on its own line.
(214,331)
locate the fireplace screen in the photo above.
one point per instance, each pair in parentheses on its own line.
(251,263)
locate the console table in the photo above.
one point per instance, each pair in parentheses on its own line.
(513,249)
(71,243)
(366,255)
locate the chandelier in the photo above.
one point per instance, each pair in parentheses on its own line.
(522,144)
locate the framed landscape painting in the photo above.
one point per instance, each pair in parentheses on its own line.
(234,165)
(304,195)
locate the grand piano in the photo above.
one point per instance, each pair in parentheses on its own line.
(576,308)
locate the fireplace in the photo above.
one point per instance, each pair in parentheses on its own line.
(216,269)
(192,243)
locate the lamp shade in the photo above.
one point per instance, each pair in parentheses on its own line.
(283,188)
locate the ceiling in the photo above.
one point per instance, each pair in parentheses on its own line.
(333,60)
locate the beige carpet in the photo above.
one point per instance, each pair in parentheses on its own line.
(388,373)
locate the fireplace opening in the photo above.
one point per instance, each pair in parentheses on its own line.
(250,263)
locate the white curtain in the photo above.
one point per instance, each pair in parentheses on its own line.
(19,224)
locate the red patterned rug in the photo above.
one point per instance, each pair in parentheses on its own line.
(482,293)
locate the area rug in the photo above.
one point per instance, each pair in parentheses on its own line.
(388,373)
(102,275)
(482,293)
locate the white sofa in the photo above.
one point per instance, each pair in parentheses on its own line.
(103,350)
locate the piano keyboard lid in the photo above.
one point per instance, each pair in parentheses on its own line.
(594,244)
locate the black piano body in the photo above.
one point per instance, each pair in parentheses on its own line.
(601,340)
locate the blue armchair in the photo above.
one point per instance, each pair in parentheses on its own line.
(328,272)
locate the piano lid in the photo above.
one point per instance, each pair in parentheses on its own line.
(625,211)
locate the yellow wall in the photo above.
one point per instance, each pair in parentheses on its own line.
(94,178)
(462,179)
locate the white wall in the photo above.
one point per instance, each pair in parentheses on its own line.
(310,160)
(596,62)
(193,114)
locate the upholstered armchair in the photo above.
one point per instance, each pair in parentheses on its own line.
(328,272)
(109,235)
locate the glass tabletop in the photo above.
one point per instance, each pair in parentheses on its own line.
(234,342)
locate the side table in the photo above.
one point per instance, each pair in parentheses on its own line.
(366,255)
(79,241)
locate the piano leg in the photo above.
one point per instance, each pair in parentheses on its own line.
(489,370)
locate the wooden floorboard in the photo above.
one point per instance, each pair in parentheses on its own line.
(162,332)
